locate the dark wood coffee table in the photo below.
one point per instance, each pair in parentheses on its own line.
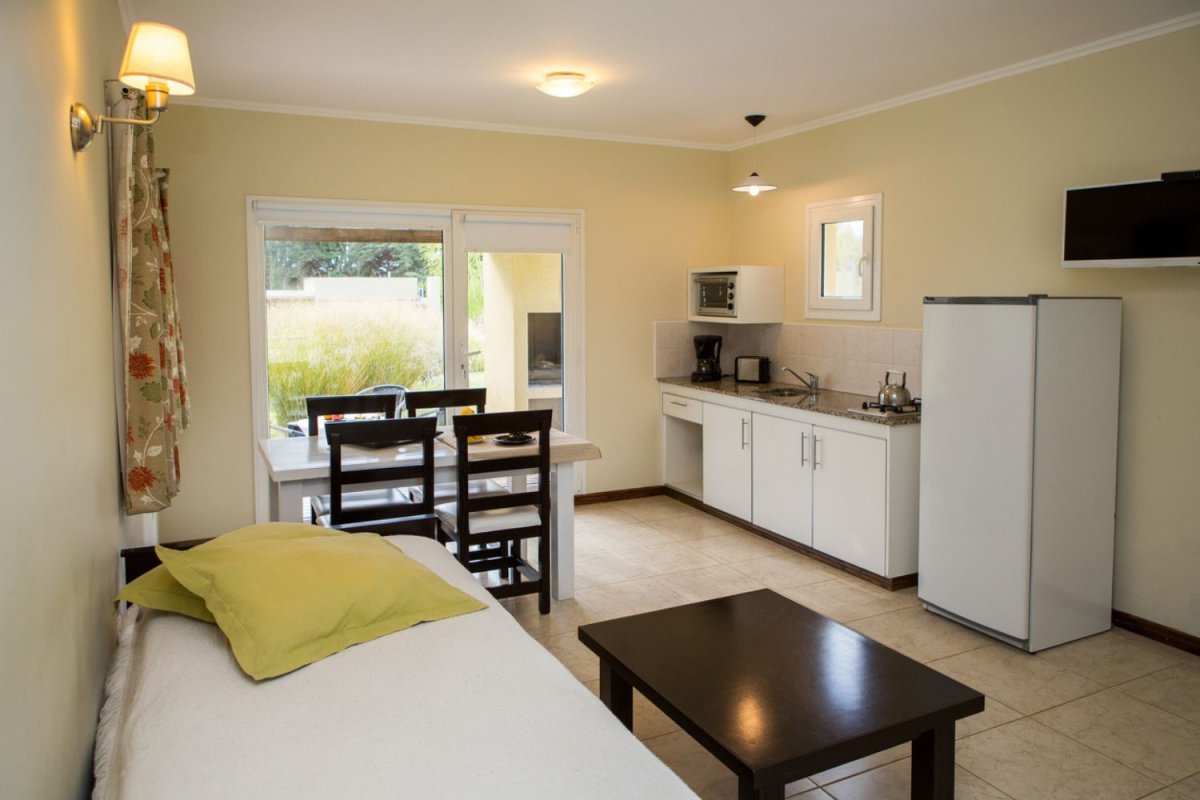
(777,692)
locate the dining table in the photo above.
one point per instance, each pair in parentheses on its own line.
(298,467)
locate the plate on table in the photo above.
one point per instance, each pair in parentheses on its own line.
(512,439)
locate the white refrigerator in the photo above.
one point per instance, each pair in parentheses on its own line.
(1018,464)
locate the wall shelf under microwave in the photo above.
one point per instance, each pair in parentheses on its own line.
(738,295)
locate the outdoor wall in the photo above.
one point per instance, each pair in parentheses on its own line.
(649,213)
(514,285)
(61,525)
(973,190)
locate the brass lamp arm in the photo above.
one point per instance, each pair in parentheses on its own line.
(101,119)
(84,126)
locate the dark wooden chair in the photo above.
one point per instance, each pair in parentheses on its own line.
(408,515)
(489,529)
(326,405)
(442,400)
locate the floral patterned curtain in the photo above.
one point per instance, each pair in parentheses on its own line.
(156,404)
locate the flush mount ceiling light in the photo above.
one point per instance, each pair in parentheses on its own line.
(157,62)
(565,84)
(755,184)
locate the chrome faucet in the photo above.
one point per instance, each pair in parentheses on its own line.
(812,382)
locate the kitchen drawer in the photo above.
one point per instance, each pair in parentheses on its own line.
(675,406)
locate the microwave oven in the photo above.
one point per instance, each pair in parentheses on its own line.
(716,294)
(738,295)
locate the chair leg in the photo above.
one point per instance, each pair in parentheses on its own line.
(544,571)
(464,551)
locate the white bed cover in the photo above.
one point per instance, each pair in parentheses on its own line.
(467,707)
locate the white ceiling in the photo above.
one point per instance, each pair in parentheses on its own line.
(681,72)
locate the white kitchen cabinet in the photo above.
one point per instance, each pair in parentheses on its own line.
(682,444)
(782,477)
(727,459)
(849,497)
(839,485)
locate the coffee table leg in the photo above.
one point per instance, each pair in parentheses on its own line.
(933,764)
(746,791)
(617,694)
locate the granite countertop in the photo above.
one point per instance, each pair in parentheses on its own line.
(826,401)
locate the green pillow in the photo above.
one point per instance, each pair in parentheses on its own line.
(158,588)
(287,603)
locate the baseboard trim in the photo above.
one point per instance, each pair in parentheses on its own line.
(618,494)
(1159,633)
(891,584)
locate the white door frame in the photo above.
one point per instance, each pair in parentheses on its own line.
(264,210)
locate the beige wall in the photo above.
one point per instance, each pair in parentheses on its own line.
(973,190)
(649,212)
(60,532)
(972,185)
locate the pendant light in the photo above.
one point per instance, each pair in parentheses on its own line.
(755,184)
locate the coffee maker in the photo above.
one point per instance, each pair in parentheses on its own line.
(708,359)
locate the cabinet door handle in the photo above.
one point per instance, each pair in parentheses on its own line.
(816,451)
(677,403)
(745,423)
(803,446)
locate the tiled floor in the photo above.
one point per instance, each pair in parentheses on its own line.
(1113,716)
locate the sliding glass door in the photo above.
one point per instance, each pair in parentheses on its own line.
(518,329)
(367,297)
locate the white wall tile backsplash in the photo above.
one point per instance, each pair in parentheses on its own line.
(846,359)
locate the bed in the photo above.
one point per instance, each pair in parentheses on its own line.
(465,707)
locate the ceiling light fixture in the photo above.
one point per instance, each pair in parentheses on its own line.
(565,84)
(755,184)
(157,62)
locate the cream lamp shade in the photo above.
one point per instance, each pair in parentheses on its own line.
(157,54)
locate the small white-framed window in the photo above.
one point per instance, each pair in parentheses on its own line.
(845,238)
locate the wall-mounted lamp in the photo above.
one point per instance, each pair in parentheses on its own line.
(754,184)
(157,62)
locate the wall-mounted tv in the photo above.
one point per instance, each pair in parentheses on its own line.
(1146,224)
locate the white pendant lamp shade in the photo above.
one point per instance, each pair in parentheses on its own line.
(754,184)
(157,54)
(565,84)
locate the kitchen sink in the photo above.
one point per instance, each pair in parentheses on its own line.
(784,392)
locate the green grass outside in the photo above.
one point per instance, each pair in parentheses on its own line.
(344,347)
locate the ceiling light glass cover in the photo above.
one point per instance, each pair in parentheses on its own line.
(565,84)
(754,184)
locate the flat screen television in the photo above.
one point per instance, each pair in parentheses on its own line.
(1146,224)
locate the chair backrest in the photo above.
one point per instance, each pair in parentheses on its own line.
(535,422)
(445,398)
(324,405)
(413,516)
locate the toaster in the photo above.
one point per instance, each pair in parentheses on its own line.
(752,369)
